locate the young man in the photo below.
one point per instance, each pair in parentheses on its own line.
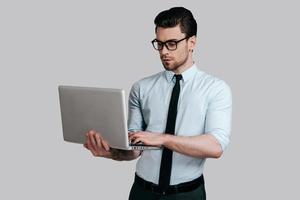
(182,109)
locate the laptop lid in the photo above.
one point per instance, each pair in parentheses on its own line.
(101,109)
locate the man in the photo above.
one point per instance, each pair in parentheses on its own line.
(182,109)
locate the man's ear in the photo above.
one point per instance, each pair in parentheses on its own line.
(192,43)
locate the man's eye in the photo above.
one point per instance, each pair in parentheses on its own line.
(159,44)
(171,44)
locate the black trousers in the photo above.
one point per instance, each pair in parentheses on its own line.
(137,192)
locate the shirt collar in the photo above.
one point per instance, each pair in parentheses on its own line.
(186,75)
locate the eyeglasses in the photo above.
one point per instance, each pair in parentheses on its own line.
(170,44)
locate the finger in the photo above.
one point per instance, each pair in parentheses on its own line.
(130,137)
(134,135)
(89,134)
(98,139)
(131,133)
(85,145)
(105,144)
(87,140)
(92,131)
(93,141)
(90,145)
(136,140)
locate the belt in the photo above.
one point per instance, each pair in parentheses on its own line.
(172,189)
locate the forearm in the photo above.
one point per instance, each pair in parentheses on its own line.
(204,146)
(123,155)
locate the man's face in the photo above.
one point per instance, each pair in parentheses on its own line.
(172,60)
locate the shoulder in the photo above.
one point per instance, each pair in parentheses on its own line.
(211,82)
(212,85)
(147,81)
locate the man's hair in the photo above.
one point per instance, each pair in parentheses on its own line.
(174,16)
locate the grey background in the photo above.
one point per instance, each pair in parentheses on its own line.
(252,45)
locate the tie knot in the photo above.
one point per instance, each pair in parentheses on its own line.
(178,77)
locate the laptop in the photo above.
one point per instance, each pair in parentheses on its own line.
(101,109)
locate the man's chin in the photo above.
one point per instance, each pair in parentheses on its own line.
(167,67)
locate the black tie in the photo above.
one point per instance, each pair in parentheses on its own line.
(166,159)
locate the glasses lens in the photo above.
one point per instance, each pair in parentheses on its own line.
(171,45)
(157,45)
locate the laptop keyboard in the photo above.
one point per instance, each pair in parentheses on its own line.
(137,144)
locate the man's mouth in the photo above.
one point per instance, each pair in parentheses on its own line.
(166,59)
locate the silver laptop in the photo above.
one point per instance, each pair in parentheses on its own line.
(101,109)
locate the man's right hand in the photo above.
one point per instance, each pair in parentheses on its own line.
(97,144)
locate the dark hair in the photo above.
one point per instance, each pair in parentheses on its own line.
(177,15)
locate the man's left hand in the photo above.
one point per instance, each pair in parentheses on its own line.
(147,138)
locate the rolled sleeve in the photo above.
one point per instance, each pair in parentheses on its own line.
(218,115)
(135,117)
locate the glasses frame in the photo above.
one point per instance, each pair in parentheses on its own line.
(165,43)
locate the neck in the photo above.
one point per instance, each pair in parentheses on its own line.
(189,63)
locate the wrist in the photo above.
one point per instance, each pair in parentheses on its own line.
(166,139)
(115,154)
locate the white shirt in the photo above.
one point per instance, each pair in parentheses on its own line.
(204,106)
